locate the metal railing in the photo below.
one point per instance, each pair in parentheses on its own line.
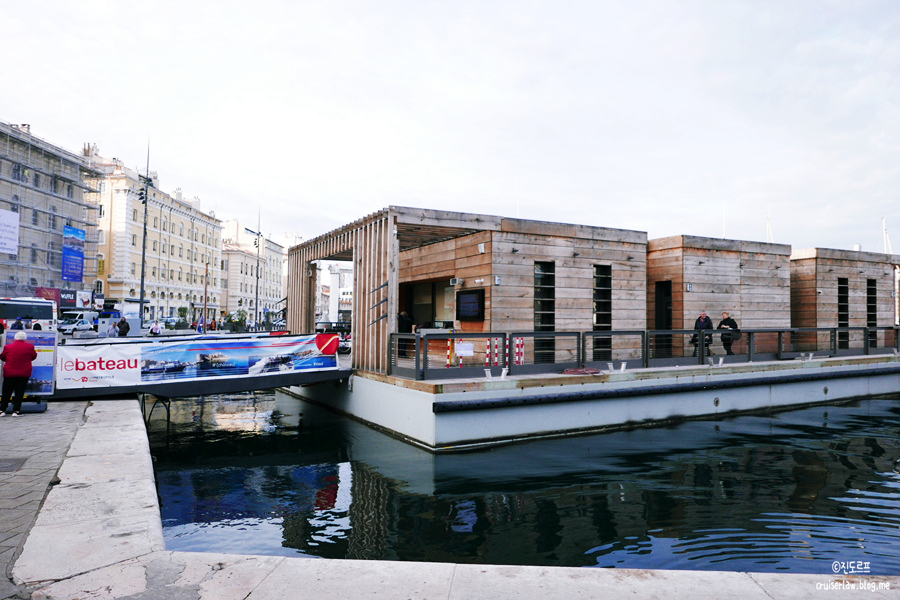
(473,355)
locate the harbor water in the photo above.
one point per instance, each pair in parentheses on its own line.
(815,490)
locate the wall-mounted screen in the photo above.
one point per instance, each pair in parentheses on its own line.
(470,305)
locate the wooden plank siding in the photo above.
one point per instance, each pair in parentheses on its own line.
(814,286)
(750,280)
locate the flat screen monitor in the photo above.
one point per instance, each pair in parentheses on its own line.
(470,305)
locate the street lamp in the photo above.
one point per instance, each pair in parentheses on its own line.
(144,196)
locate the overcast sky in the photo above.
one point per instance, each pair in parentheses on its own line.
(670,117)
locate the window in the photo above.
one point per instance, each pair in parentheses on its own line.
(163,248)
(69,191)
(602,311)
(53,217)
(51,259)
(544,310)
(102,211)
(98,286)
(101,236)
(34,255)
(35,220)
(14,204)
(155,222)
(37,180)
(843,312)
(54,185)
(179,274)
(180,252)
(133,240)
(17,173)
(154,245)
(153,272)
(133,268)
(872,310)
(134,215)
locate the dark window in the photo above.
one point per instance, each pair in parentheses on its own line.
(37,180)
(602,311)
(843,312)
(544,310)
(35,219)
(872,310)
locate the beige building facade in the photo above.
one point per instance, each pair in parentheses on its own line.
(182,272)
(252,281)
(43,189)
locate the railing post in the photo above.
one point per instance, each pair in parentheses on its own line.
(645,349)
(424,365)
(866,341)
(580,358)
(834,345)
(701,346)
(780,344)
(750,346)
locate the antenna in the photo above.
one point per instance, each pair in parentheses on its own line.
(887,240)
(768,230)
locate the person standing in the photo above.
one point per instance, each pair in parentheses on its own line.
(113,329)
(154,329)
(18,324)
(17,358)
(702,322)
(124,328)
(728,338)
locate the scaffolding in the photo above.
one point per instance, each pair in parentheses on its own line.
(46,186)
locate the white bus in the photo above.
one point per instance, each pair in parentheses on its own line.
(36,313)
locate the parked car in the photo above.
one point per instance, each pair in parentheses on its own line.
(70,326)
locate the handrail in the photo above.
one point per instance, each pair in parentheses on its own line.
(757,343)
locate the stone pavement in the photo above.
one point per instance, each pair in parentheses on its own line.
(98,535)
(32,448)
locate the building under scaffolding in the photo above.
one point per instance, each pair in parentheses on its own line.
(45,186)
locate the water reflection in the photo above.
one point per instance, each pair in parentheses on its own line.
(266,474)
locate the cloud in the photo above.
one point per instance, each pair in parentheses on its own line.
(687,117)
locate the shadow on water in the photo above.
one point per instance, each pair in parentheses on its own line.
(795,491)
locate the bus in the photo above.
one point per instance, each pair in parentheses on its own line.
(36,313)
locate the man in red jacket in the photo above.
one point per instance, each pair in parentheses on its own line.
(17,358)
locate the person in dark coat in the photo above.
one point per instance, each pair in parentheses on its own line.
(728,338)
(404,325)
(18,324)
(702,322)
(124,328)
(17,358)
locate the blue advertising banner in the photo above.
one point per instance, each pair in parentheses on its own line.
(106,365)
(43,367)
(73,254)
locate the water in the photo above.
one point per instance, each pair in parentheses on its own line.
(800,492)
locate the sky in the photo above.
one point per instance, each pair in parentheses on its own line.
(709,118)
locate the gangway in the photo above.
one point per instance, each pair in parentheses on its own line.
(194,365)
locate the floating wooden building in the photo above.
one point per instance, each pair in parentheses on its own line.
(688,274)
(474,273)
(843,288)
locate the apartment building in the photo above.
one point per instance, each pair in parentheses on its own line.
(182,270)
(48,230)
(253,273)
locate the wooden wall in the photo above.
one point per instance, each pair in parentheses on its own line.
(814,286)
(460,257)
(509,306)
(372,244)
(750,280)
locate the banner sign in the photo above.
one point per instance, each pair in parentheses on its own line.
(100,365)
(67,299)
(9,232)
(44,342)
(47,293)
(112,365)
(73,254)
